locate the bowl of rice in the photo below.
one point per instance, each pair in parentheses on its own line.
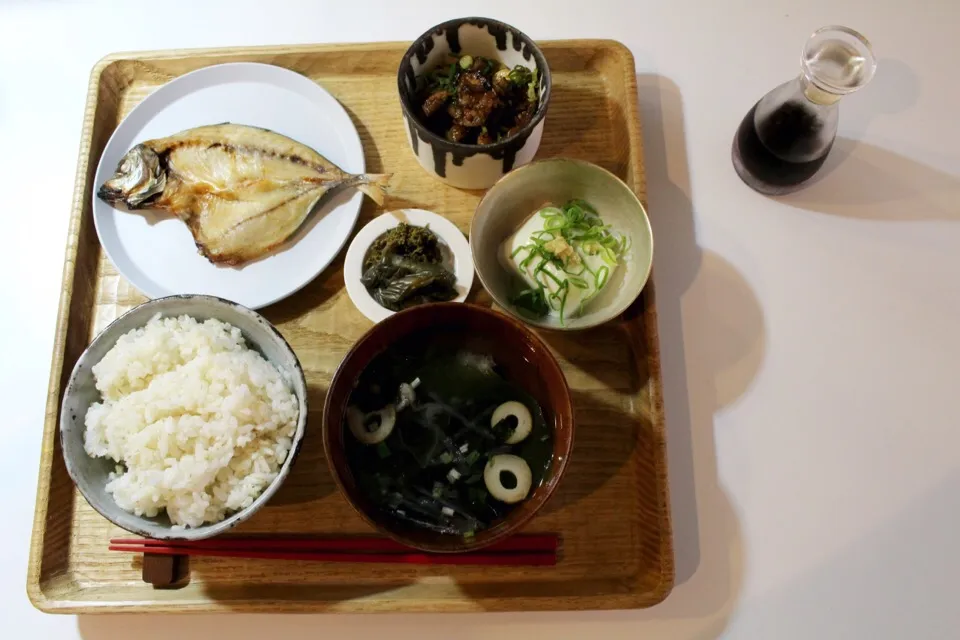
(183,417)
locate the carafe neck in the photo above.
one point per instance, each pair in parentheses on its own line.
(815,94)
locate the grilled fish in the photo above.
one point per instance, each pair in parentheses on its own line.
(242,191)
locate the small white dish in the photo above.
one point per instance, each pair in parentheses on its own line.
(457,256)
(156,253)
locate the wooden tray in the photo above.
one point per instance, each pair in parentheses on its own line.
(611,508)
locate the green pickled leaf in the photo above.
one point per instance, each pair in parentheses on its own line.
(531,302)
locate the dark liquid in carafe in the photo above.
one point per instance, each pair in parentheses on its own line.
(790,131)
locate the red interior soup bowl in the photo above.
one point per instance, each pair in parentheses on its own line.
(428,468)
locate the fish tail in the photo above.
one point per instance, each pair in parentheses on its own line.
(375,185)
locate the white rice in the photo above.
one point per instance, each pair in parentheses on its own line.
(199,423)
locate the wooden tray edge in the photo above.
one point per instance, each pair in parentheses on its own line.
(216,52)
(652,340)
(651,336)
(34,592)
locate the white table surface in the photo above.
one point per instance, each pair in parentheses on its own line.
(810,345)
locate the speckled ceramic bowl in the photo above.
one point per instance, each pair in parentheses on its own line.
(514,198)
(470,166)
(90,474)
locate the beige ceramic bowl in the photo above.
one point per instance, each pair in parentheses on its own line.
(521,192)
(92,474)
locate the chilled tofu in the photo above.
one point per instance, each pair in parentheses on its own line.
(581,289)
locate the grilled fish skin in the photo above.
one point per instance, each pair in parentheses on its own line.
(241,190)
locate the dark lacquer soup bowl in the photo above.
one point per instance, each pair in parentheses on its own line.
(366,473)
(473,162)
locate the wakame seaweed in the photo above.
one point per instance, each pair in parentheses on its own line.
(429,471)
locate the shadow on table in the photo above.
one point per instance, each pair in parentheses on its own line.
(863,181)
(712,346)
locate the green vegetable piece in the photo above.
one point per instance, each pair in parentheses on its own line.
(533,87)
(603,273)
(531,302)
(466,62)
(520,75)
(383,450)
(583,204)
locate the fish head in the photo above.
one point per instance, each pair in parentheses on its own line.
(139,176)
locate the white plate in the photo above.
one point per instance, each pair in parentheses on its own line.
(457,256)
(156,252)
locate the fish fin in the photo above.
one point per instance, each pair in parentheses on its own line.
(375,186)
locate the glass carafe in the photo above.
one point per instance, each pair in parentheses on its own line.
(785,138)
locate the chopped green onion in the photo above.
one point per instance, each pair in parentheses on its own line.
(552,223)
(446,457)
(574,213)
(383,450)
(548,212)
(551,276)
(563,302)
(583,204)
(603,273)
(540,233)
(520,75)
(466,62)
(472,457)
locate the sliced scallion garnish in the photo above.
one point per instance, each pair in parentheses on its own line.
(602,275)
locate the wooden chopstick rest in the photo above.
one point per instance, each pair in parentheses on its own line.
(166,571)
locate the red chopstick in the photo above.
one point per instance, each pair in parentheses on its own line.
(536,550)
(543,543)
(477,558)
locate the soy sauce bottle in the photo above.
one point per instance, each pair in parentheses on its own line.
(785,138)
